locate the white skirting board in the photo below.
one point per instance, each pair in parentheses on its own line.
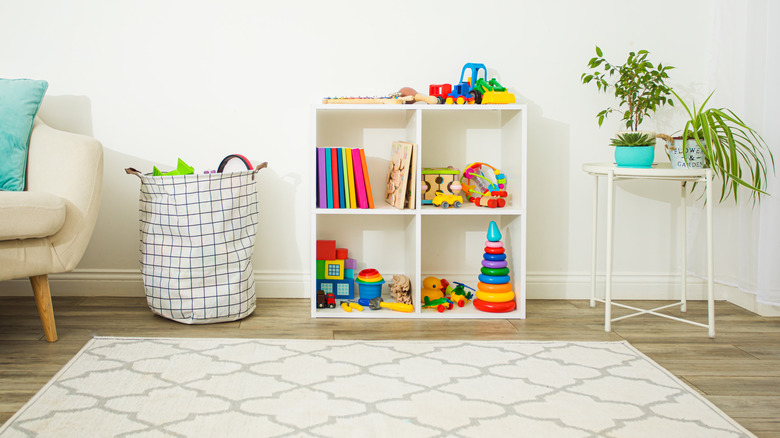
(128,283)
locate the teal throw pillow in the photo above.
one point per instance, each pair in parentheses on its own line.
(19,102)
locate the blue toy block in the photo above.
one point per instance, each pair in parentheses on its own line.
(343,289)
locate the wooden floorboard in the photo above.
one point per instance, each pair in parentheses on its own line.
(738,371)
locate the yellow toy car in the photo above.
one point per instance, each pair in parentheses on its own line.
(444,201)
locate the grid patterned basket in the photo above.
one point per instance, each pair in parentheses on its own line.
(197,239)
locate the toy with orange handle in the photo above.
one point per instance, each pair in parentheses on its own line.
(377,303)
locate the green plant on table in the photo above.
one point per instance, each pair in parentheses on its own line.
(638,85)
(630,139)
(734,151)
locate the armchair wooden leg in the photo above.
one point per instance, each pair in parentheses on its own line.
(40,285)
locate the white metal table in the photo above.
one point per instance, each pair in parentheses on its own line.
(664,172)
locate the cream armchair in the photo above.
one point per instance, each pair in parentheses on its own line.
(45,229)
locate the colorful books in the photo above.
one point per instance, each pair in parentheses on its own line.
(342,179)
(322,197)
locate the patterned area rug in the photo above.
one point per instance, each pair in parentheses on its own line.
(249,388)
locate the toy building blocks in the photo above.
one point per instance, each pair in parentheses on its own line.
(326,250)
(335,271)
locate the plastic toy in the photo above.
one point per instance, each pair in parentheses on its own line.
(441,304)
(432,289)
(446,200)
(349,305)
(459,295)
(401,289)
(463,92)
(488,92)
(494,292)
(335,270)
(181,169)
(378,303)
(370,283)
(440,92)
(330,299)
(321,303)
(476,89)
(485,188)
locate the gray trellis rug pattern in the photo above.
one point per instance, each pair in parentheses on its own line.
(161,387)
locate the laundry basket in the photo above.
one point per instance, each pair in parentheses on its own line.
(197,239)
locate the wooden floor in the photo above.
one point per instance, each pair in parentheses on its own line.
(739,370)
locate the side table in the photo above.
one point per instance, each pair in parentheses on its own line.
(663,172)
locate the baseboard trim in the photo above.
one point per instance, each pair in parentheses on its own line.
(129,283)
(540,285)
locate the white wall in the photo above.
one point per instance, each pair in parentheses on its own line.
(157,80)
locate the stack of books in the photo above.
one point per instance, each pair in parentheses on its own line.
(342,179)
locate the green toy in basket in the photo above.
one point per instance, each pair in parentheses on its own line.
(182,169)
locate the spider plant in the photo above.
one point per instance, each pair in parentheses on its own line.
(734,151)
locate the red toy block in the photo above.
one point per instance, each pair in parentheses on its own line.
(326,250)
(342,253)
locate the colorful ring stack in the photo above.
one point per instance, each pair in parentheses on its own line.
(494,292)
(369,283)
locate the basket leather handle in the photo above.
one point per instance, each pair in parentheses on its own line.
(262,165)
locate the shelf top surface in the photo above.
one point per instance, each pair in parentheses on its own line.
(421,106)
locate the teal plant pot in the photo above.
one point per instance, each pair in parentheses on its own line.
(634,156)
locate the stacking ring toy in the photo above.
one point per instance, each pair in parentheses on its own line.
(495,272)
(491,279)
(494,250)
(490,244)
(495,298)
(494,265)
(495,288)
(494,257)
(487,306)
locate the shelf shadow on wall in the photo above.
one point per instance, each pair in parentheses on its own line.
(549,174)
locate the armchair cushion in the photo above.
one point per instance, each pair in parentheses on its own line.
(20,100)
(25,215)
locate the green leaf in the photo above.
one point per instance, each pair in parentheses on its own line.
(599,52)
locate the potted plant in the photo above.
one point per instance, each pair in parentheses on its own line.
(734,151)
(640,89)
(634,149)
(639,86)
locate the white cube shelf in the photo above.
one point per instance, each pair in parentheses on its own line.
(425,240)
